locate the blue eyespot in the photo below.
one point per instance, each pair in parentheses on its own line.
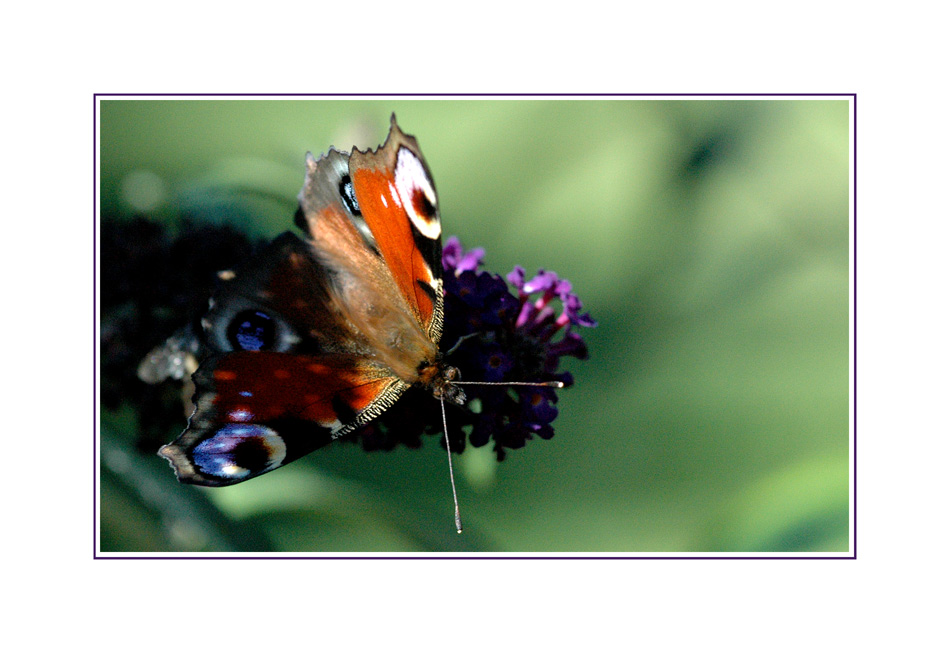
(237,451)
(252,331)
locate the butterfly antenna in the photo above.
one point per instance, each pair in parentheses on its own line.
(445,430)
(448,450)
(543,384)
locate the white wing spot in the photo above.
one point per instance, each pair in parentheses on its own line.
(411,177)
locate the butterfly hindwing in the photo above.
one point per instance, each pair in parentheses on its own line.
(259,410)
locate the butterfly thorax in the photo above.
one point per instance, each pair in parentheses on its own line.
(438,378)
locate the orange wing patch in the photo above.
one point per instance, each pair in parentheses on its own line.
(390,223)
(332,391)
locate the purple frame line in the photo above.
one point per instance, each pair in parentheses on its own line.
(489,95)
(95,323)
(450,557)
(854,262)
(854,326)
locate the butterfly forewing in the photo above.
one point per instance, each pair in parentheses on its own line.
(397,199)
(374,224)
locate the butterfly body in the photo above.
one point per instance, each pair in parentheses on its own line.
(316,337)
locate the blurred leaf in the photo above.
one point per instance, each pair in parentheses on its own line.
(144,509)
(801,507)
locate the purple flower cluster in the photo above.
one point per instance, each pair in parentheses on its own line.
(493,335)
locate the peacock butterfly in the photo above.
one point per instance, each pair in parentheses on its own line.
(315,338)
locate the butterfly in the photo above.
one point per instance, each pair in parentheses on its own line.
(316,337)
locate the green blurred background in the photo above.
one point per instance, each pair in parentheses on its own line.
(709,238)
